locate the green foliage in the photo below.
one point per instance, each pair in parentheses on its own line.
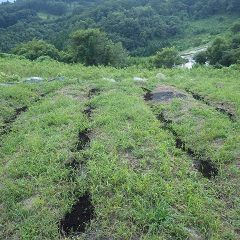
(92,47)
(35,49)
(167,57)
(142,26)
(216,51)
(201,57)
(236,27)
(224,51)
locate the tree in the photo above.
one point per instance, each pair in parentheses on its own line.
(201,57)
(236,27)
(216,51)
(35,49)
(167,57)
(92,47)
(225,52)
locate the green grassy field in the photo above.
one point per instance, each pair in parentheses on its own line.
(133,168)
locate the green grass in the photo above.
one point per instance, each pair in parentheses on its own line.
(141,185)
(36,186)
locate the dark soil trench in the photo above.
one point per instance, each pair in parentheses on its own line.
(18,111)
(205,166)
(8,124)
(75,222)
(82,212)
(226,112)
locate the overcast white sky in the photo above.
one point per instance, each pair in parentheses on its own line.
(6,1)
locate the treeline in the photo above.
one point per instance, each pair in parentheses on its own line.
(142,26)
(224,51)
(89,47)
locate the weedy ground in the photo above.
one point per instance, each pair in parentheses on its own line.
(92,133)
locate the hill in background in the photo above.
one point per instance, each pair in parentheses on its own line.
(142,26)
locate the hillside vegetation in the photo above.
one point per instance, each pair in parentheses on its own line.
(120,120)
(143,26)
(83,142)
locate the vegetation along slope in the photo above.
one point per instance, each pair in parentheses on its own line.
(120,119)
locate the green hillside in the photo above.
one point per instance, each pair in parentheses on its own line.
(82,141)
(120,120)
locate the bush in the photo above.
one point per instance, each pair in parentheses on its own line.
(167,57)
(92,47)
(201,57)
(216,51)
(236,27)
(35,49)
(224,52)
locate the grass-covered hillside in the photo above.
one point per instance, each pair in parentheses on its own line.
(105,153)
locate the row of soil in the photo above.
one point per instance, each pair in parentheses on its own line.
(141,186)
(82,212)
(205,166)
(17,99)
(226,172)
(35,179)
(222,107)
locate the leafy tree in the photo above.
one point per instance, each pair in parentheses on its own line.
(167,57)
(92,47)
(35,49)
(225,52)
(236,27)
(216,51)
(201,57)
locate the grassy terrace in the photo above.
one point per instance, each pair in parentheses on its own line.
(92,137)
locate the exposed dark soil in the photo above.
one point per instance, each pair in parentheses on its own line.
(92,92)
(81,214)
(18,111)
(163,94)
(88,111)
(148,95)
(8,123)
(83,140)
(205,166)
(221,107)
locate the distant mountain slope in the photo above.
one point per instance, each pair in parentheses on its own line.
(142,26)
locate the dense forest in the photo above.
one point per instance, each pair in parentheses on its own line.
(142,26)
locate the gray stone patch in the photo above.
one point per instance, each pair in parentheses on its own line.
(160,76)
(33,80)
(139,79)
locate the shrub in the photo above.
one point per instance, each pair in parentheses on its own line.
(167,57)
(236,27)
(35,49)
(92,47)
(201,57)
